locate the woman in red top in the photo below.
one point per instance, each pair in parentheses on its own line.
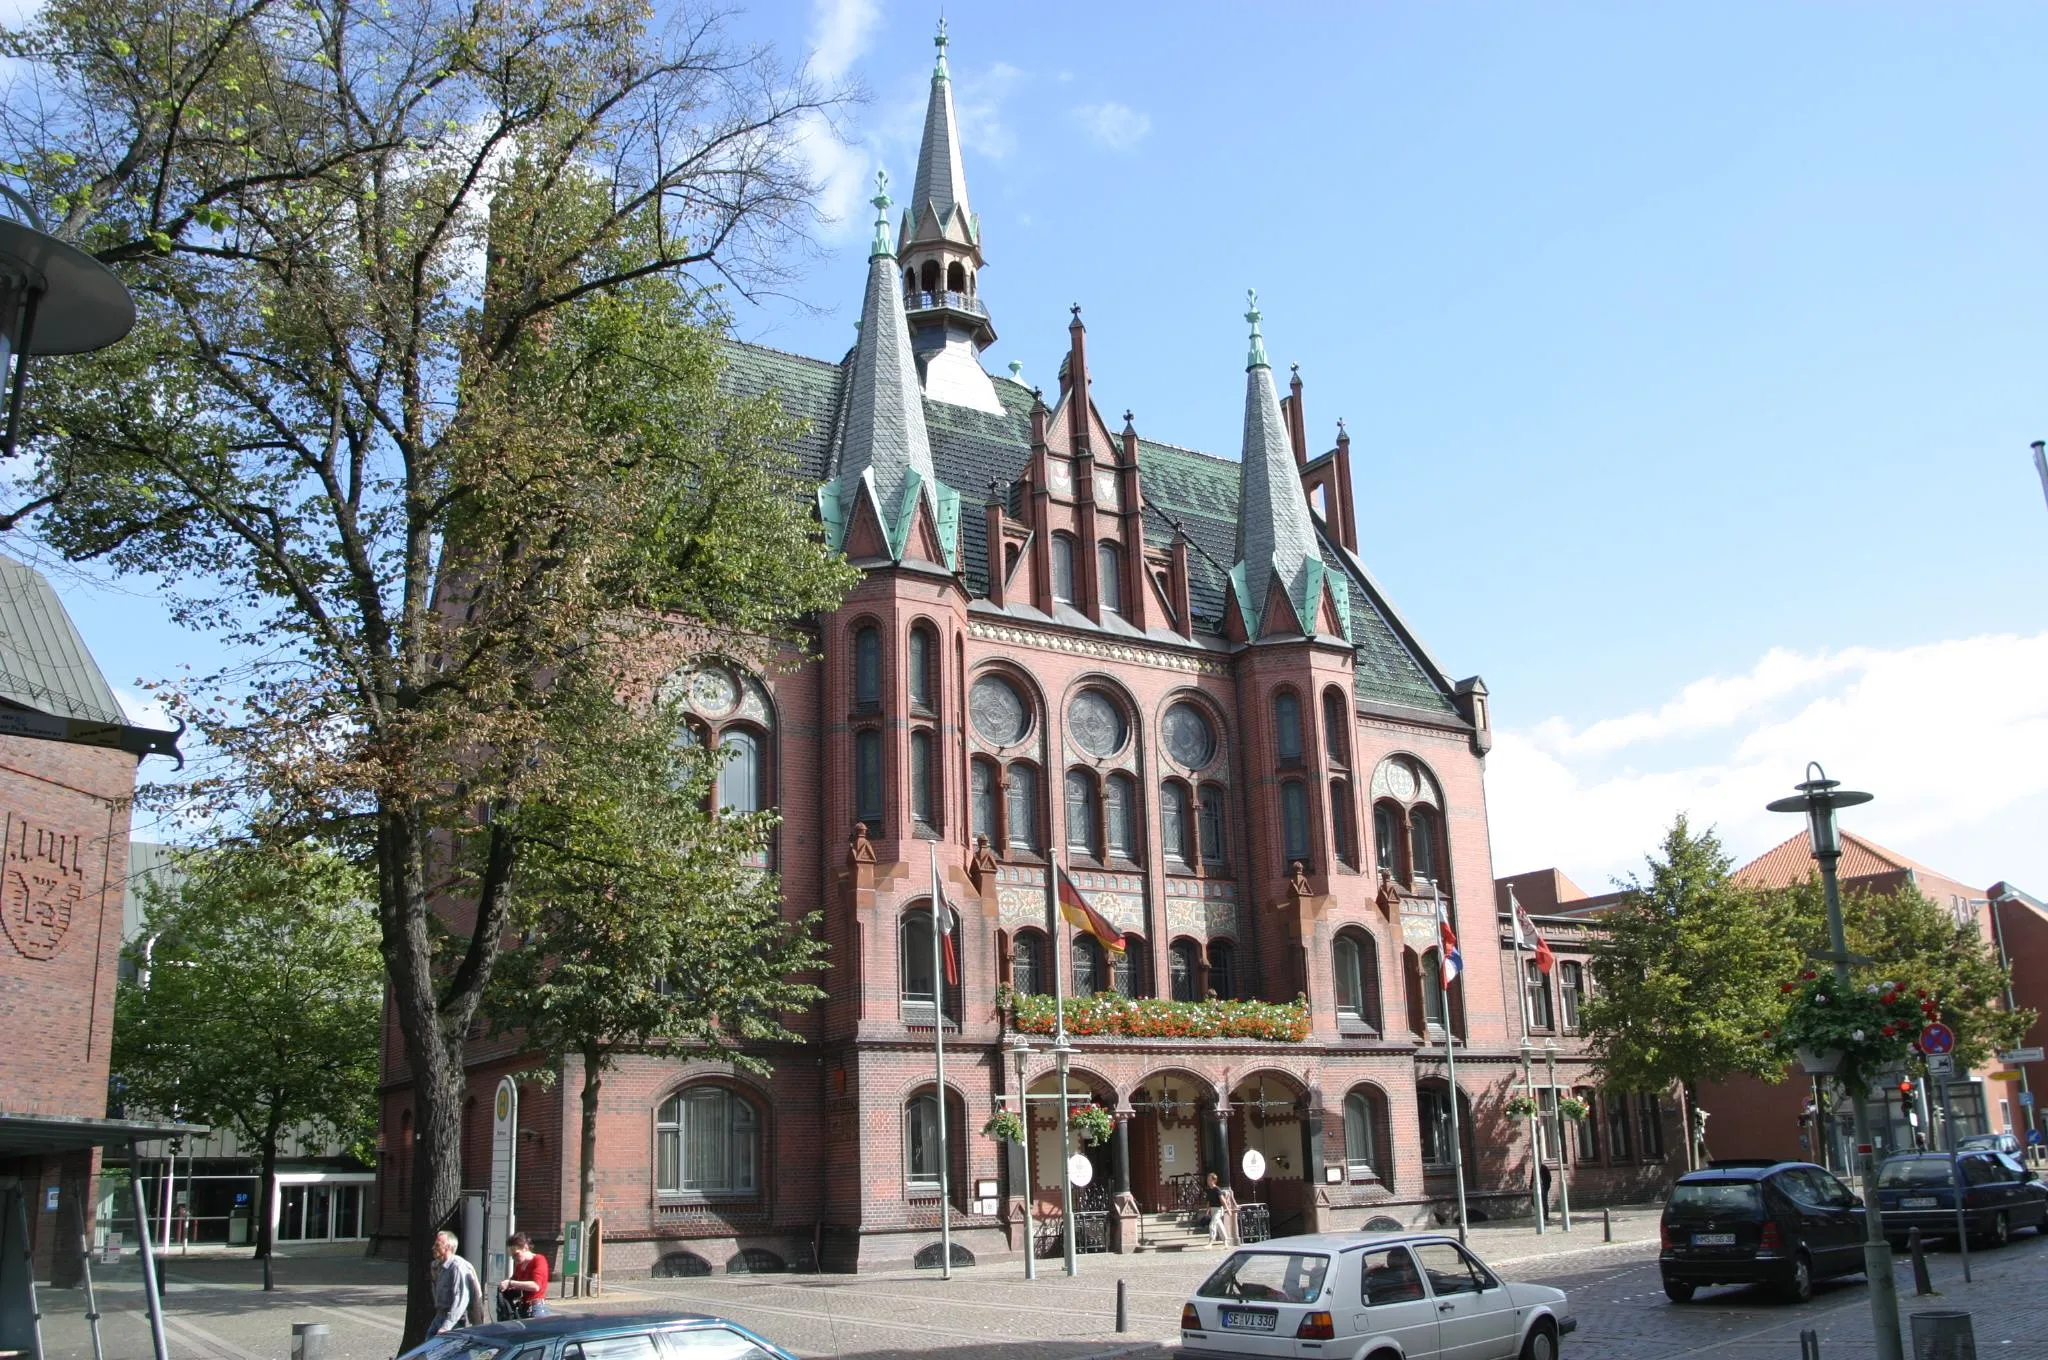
(525,1293)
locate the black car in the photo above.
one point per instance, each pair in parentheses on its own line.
(1784,1224)
(614,1336)
(1999,1194)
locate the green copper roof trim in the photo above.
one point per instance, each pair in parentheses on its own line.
(836,503)
(939,71)
(1243,592)
(883,245)
(1257,358)
(1316,578)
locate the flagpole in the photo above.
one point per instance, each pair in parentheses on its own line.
(1061,1050)
(1450,1060)
(1528,1072)
(939,1054)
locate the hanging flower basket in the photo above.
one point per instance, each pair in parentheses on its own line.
(1850,1030)
(1092,1122)
(1819,1064)
(1005,1126)
(1572,1108)
(1522,1106)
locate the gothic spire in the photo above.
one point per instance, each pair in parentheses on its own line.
(1276,538)
(941,184)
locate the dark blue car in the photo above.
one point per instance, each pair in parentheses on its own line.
(607,1336)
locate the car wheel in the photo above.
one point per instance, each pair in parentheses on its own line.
(1541,1343)
(1799,1288)
(2001,1230)
(1678,1291)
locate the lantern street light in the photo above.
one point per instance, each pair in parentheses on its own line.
(1819,797)
(1564,1165)
(1062,1055)
(1020,1053)
(54,299)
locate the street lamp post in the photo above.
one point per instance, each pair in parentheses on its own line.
(1020,1053)
(54,299)
(1819,797)
(1062,1055)
(1535,1138)
(1564,1169)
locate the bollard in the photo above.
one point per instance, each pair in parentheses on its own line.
(1123,1306)
(1944,1335)
(309,1341)
(1607,1225)
(1809,1345)
(268,1283)
(1922,1285)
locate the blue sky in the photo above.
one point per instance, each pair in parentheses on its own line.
(1690,355)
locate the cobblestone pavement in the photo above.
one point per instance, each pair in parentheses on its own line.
(218,1310)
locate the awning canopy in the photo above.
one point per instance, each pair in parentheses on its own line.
(25,1135)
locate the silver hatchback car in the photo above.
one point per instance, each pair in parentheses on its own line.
(1417,1296)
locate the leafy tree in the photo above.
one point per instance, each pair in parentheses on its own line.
(422,410)
(643,915)
(257,1000)
(1688,971)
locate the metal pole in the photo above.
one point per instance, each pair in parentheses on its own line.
(939,1055)
(1451,1067)
(1564,1170)
(1067,1246)
(1062,1051)
(1030,1186)
(1955,1181)
(92,1303)
(151,1297)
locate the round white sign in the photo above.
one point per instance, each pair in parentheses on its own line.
(1254,1164)
(1079,1169)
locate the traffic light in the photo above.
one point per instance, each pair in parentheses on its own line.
(1906,1106)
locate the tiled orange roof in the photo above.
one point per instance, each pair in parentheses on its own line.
(1539,891)
(1792,861)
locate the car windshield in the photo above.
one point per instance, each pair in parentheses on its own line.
(1910,1171)
(1727,1197)
(1268,1277)
(455,1346)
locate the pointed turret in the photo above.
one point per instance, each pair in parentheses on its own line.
(1276,536)
(884,454)
(941,188)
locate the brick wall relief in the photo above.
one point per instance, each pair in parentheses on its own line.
(42,888)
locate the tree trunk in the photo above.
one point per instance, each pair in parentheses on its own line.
(266,1190)
(586,1171)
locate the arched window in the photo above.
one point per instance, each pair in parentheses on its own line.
(917,968)
(910,280)
(928,276)
(867,666)
(1063,568)
(923,693)
(1131,971)
(921,1141)
(1422,860)
(1355,963)
(1363,1115)
(922,803)
(1082,829)
(1650,1127)
(956,277)
(1215,845)
(706,1142)
(1294,821)
(1109,578)
(1336,726)
(1433,1109)
(867,780)
(1027,964)
(1386,839)
(1091,969)
(1184,967)
(982,802)
(1175,825)
(1223,969)
(1536,987)
(1287,725)
(1341,830)
(1119,795)
(1435,1016)
(1589,1127)
(739,779)
(1617,1126)
(1023,808)
(1571,989)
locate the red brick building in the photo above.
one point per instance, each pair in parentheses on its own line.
(1168,671)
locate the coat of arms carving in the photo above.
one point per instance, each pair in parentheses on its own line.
(40,892)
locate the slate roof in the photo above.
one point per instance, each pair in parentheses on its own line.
(44,663)
(1198,490)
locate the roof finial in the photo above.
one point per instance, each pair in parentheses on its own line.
(939,71)
(882,245)
(1257,357)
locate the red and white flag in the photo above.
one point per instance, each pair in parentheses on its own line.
(1526,936)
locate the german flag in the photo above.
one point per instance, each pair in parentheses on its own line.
(1082,916)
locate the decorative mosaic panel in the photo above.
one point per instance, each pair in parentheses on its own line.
(1125,652)
(1060,474)
(719,693)
(1402,780)
(1020,895)
(1107,493)
(1201,907)
(1120,897)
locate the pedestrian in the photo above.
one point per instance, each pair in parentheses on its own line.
(525,1293)
(1222,1213)
(458,1293)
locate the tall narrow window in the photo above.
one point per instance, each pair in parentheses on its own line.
(1435,1011)
(1356,966)
(1130,970)
(1063,568)
(1027,963)
(1294,821)
(921,687)
(867,666)
(1536,987)
(1223,969)
(1215,846)
(1174,822)
(1109,578)
(1360,1154)
(1589,1127)
(1023,808)
(1091,971)
(867,780)
(914,961)
(1183,967)
(1287,724)
(921,1140)
(1385,838)
(1341,830)
(1617,1125)
(1433,1111)
(1118,794)
(739,780)
(1650,1128)
(1422,845)
(1082,837)
(1570,989)
(921,778)
(982,800)
(1336,722)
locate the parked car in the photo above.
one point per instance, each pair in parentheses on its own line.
(612,1336)
(1415,1295)
(2000,1194)
(1783,1224)
(1994,1142)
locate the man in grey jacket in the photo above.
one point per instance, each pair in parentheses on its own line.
(458,1293)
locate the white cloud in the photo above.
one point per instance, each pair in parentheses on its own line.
(840,33)
(978,101)
(1117,126)
(1951,737)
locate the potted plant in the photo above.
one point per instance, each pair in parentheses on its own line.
(1005,1126)
(1850,1030)
(1572,1108)
(1522,1105)
(1092,1122)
